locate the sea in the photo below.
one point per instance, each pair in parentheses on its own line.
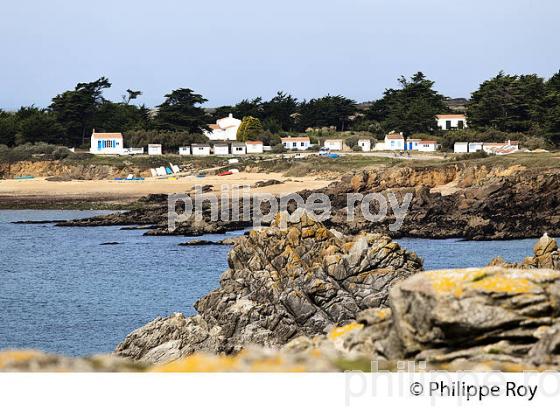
(63,290)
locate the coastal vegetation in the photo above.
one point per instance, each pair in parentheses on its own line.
(524,108)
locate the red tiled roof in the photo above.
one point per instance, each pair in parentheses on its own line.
(254,142)
(394,137)
(107,135)
(450,116)
(428,142)
(295,139)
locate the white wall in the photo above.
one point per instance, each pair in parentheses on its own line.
(396,145)
(365,144)
(335,145)
(221,150)
(116,149)
(460,147)
(442,123)
(299,145)
(184,150)
(254,148)
(200,151)
(238,150)
(426,147)
(154,149)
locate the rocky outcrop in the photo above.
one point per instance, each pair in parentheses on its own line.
(546,256)
(489,318)
(282,283)
(497,204)
(69,170)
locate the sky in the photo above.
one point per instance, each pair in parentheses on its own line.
(228,50)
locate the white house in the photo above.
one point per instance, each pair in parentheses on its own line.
(225,129)
(238,148)
(427,146)
(154,149)
(296,143)
(451,121)
(184,150)
(365,144)
(254,147)
(221,149)
(200,150)
(107,143)
(461,147)
(394,141)
(412,144)
(334,145)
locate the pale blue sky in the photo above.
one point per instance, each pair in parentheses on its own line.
(229,50)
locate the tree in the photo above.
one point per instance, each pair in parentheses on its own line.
(130,95)
(248,108)
(75,110)
(181,112)
(250,129)
(38,125)
(410,109)
(8,128)
(278,112)
(507,103)
(551,107)
(327,111)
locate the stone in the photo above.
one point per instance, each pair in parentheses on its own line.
(295,278)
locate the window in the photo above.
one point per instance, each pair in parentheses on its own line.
(294,144)
(460,124)
(303,144)
(99,145)
(448,125)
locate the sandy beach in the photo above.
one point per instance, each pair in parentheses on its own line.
(16,193)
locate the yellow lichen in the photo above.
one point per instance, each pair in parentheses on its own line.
(505,284)
(342,330)
(17,356)
(199,363)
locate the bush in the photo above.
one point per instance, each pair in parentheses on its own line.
(351,142)
(278,149)
(357,148)
(28,152)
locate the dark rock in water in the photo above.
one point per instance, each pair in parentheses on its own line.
(202,242)
(52,221)
(138,228)
(283,282)
(110,243)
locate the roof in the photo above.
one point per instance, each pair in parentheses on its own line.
(333,140)
(394,137)
(221,144)
(295,139)
(238,144)
(428,142)
(464,143)
(450,116)
(107,135)
(253,142)
(200,145)
(214,126)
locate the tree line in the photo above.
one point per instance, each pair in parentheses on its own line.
(527,104)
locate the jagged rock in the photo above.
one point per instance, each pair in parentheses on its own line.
(282,282)
(546,256)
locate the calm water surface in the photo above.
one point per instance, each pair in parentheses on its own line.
(62,291)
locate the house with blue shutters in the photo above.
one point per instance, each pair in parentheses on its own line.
(107,143)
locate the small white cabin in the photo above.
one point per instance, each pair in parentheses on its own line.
(221,149)
(254,147)
(365,144)
(154,149)
(200,150)
(238,148)
(296,143)
(184,150)
(394,141)
(334,145)
(461,147)
(427,146)
(107,143)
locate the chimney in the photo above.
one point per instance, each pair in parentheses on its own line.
(230,115)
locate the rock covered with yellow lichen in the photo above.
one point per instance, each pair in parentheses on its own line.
(296,278)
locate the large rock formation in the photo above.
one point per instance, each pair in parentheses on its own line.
(281,283)
(458,318)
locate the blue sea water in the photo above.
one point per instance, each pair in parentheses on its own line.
(62,291)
